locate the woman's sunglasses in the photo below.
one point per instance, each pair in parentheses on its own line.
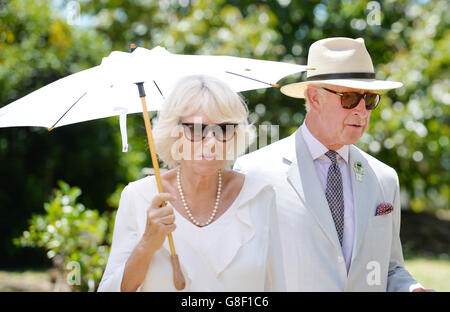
(197,132)
(350,100)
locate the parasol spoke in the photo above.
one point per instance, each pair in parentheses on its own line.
(157,87)
(51,128)
(242,76)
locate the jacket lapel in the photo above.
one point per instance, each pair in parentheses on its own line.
(310,192)
(300,168)
(364,196)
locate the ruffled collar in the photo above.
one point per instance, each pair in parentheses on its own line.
(233,235)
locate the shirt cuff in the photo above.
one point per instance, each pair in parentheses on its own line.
(415,286)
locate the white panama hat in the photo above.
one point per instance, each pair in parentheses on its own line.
(342,62)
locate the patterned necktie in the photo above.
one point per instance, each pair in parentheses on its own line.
(334,194)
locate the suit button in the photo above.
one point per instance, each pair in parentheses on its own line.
(340,259)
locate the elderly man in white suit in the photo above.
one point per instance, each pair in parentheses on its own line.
(338,207)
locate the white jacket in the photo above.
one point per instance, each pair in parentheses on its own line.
(312,254)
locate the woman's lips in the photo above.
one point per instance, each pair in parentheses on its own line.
(212,157)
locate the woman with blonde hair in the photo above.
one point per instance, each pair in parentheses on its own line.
(224,223)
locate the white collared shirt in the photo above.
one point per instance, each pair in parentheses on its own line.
(322,164)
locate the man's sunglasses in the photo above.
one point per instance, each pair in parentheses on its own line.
(196,132)
(350,100)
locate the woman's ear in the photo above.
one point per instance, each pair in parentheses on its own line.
(313,97)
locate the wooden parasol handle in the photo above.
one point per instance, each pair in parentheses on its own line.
(178,277)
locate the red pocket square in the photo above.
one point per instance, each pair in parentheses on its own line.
(384,208)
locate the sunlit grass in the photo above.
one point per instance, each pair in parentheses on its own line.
(430,272)
(29,280)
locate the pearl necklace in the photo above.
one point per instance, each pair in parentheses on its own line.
(188,211)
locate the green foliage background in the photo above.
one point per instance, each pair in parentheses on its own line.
(76,239)
(409,131)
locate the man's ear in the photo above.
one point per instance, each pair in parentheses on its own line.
(313,97)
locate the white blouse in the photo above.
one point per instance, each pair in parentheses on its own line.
(239,251)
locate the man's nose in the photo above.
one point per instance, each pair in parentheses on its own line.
(361,108)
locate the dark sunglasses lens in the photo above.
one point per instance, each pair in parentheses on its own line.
(221,132)
(372,100)
(228,132)
(350,100)
(193,132)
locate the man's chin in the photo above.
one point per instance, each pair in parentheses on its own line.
(353,134)
(352,139)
